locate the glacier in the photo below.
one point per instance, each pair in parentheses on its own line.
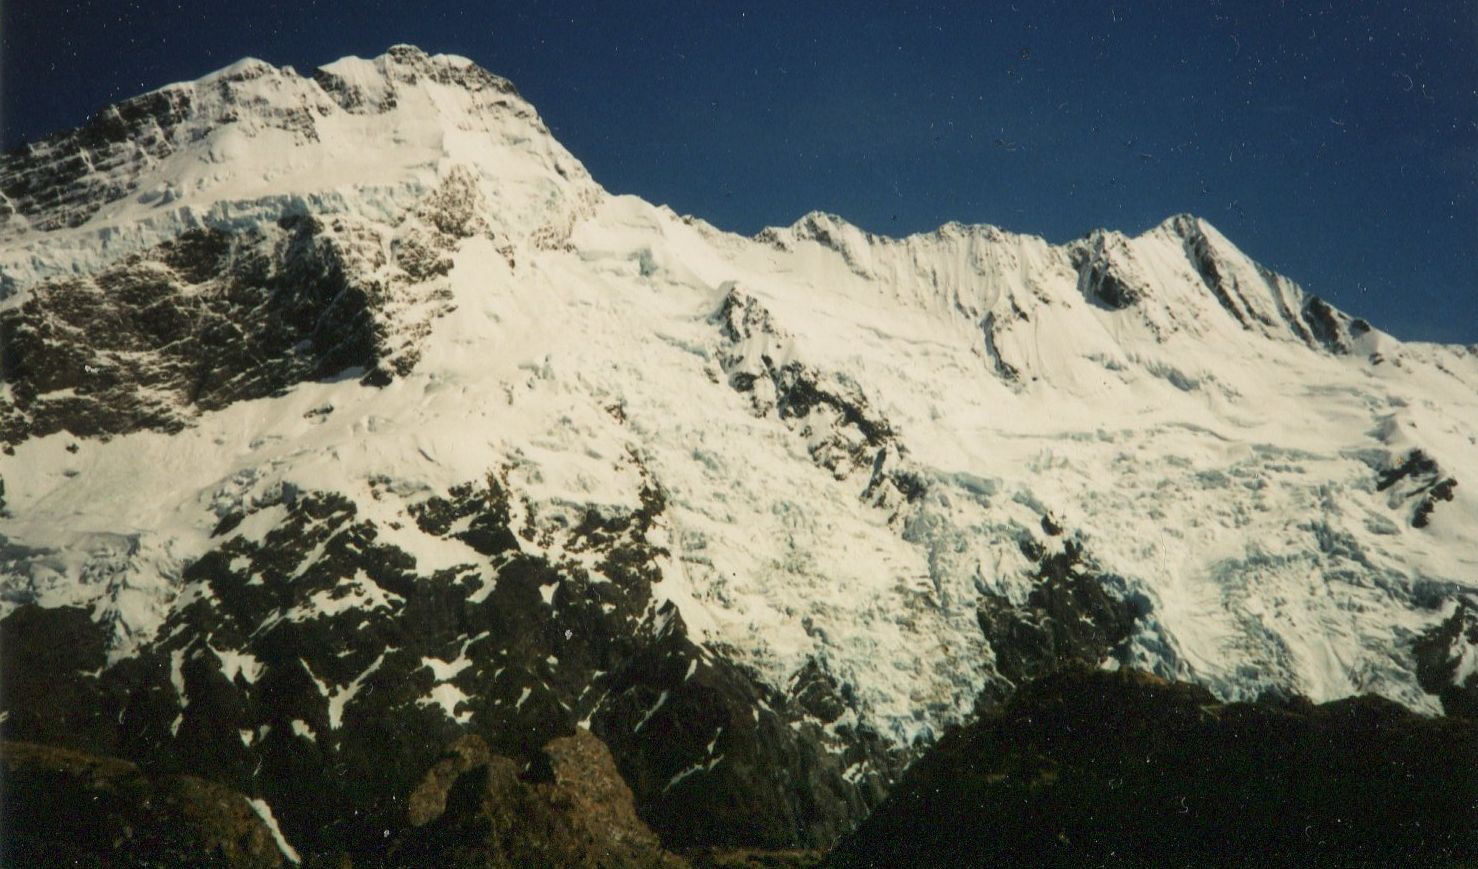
(871,452)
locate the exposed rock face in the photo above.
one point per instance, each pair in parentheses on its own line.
(62,181)
(66,808)
(1090,767)
(165,336)
(842,431)
(1417,479)
(403,65)
(215,317)
(568,806)
(1447,659)
(1102,277)
(251,683)
(689,730)
(1071,615)
(1276,308)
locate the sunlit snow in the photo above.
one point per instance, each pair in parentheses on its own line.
(1223,470)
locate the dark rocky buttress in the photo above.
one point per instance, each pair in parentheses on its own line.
(309,663)
(215,316)
(1445,657)
(1088,768)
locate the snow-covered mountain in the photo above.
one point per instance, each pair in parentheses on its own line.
(344,414)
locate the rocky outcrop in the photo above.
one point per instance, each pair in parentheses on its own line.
(842,431)
(63,180)
(1069,617)
(1418,481)
(567,806)
(1447,659)
(402,65)
(309,662)
(1102,276)
(198,323)
(718,759)
(66,808)
(1264,301)
(215,317)
(1090,767)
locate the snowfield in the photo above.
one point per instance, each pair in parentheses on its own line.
(1217,443)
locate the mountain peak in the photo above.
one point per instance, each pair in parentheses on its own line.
(246,67)
(358,83)
(1184,224)
(355,416)
(366,136)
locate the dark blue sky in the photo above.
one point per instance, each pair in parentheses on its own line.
(1336,142)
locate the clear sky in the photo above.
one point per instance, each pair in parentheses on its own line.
(1337,142)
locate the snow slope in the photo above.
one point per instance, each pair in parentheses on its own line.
(1213,440)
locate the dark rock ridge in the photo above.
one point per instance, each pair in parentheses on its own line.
(215,317)
(1069,615)
(64,179)
(843,432)
(990,325)
(1096,768)
(568,807)
(141,344)
(1315,323)
(723,760)
(309,663)
(1417,479)
(66,808)
(1447,659)
(1101,277)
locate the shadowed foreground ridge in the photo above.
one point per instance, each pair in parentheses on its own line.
(1090,767)
(66,808)
(472,808)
